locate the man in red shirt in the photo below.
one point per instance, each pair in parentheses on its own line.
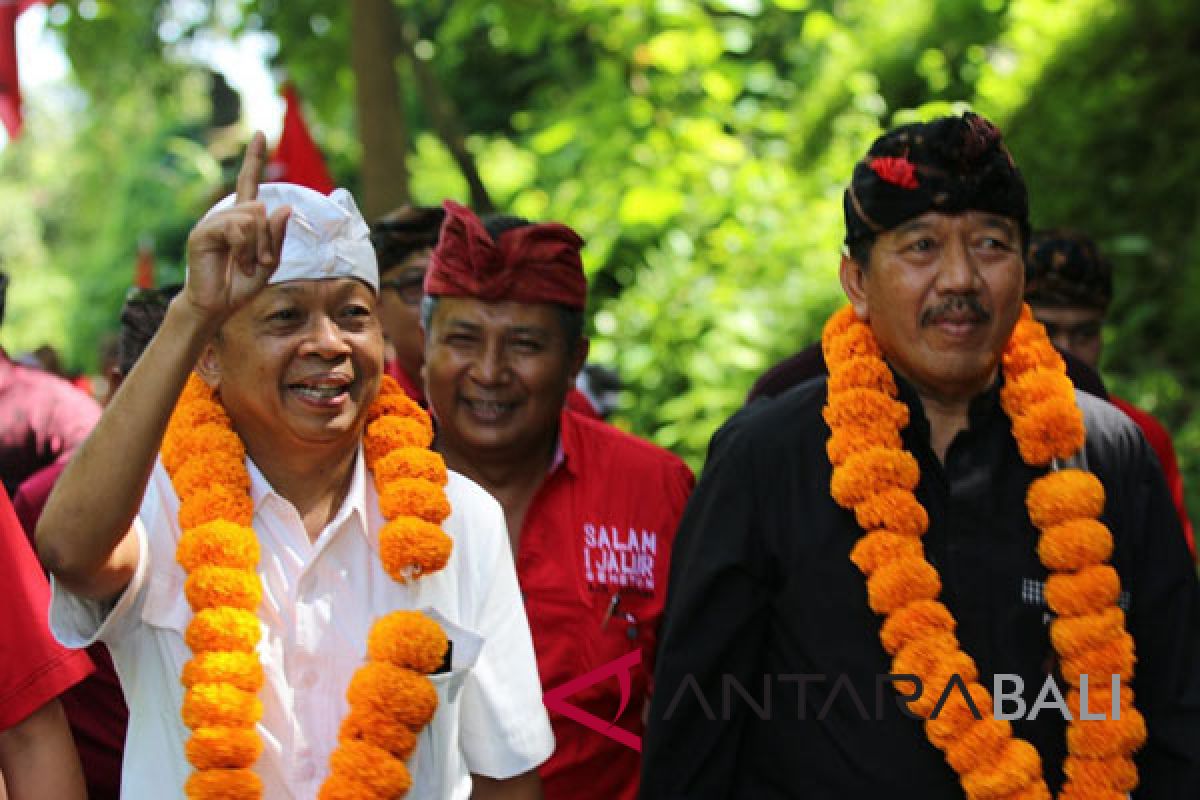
(1068,284)
(43,418)
(591,510)
(403,240)
(37,756)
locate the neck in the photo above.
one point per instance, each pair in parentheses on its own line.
(512,477)
(947,411)
(315,484)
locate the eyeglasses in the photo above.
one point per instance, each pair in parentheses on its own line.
(411,288)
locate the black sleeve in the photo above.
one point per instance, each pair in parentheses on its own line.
(714,624)
(1164,619)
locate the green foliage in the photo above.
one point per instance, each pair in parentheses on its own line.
(700,147)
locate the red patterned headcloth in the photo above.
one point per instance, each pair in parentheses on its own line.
(532,264)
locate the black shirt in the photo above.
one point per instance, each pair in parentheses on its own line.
(763,599)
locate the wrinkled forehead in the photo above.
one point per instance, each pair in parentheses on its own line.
(326,236)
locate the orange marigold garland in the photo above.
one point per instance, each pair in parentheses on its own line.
(874,477)
(391,699)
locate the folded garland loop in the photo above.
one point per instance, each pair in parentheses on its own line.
(874,477)
(391,698)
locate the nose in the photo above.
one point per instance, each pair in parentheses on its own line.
(490,366)
(957,271)
(326,339)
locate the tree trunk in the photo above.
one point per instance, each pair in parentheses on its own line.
(445,118)
(381,124)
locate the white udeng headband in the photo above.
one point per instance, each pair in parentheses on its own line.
(326,237)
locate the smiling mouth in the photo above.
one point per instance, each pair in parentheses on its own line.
(321,391)
(488,410)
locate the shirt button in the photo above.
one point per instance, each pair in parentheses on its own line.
(306,771)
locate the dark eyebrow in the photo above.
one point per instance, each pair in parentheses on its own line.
(915,224)
(530,330)
(997,221)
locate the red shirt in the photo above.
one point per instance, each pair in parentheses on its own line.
(95,707)
(42,420)
(600,526)
(1160,440)
(411,387)
(34,668)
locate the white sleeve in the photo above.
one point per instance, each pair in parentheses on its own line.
(504,727)
(79,621)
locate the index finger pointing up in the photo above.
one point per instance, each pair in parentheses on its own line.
(252,167)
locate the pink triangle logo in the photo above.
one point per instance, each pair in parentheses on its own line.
(556,699)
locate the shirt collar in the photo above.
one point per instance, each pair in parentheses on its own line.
(979,411)
(567,450)
(354,503)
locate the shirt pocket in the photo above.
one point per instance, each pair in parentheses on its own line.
(437,761)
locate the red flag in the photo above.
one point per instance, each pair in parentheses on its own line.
(143,274)
(10,87)
(297,159)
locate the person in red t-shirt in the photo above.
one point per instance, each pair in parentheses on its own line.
(37,755)
(591,510)
(403,240)
(1068,284)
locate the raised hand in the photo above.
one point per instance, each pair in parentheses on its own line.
(232,254)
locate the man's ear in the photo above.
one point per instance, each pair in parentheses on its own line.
(854,284)
(208,366)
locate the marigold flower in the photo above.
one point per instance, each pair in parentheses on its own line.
(1102,738)
(847,440)
(219,502)
(1116,773)
(1017,767)
(1051,429)
(1032,387)
(209,587)
(914,621)
(1075,544)
(896,584)
(873,471)
(1074,635)
(896,510)
(981,743)
(863,373)
(210,437)
(391,433)
(941,672)
(919,656)
(839,322)
(400,693)
(223,748)
(410,462)
(414,497)
(882,547)
(380,730)
(210,469)
(1114,657)
(371,766)
(338,787)
(219,629)
(407,639)
(218,544)
(223,784)
(956,716)
(240,670)
(1089,591)
(856,341)
(1100,697)
(1072,792)
(1062,496)
(1022,357)
(411,547)
(218,705)
(864,408)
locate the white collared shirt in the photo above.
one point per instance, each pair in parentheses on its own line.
(319,600)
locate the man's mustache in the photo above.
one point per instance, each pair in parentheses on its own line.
(967,305)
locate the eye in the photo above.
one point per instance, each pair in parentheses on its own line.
(995,243)
(356,310)
(527,345)
(922,244)
(283,315)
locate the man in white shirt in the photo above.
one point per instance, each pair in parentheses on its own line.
(284,329)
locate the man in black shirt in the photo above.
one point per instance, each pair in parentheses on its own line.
(771,679)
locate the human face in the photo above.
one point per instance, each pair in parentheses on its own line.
(1075,329)
(297,367)
(497,375)
(942,293)
(399,310)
